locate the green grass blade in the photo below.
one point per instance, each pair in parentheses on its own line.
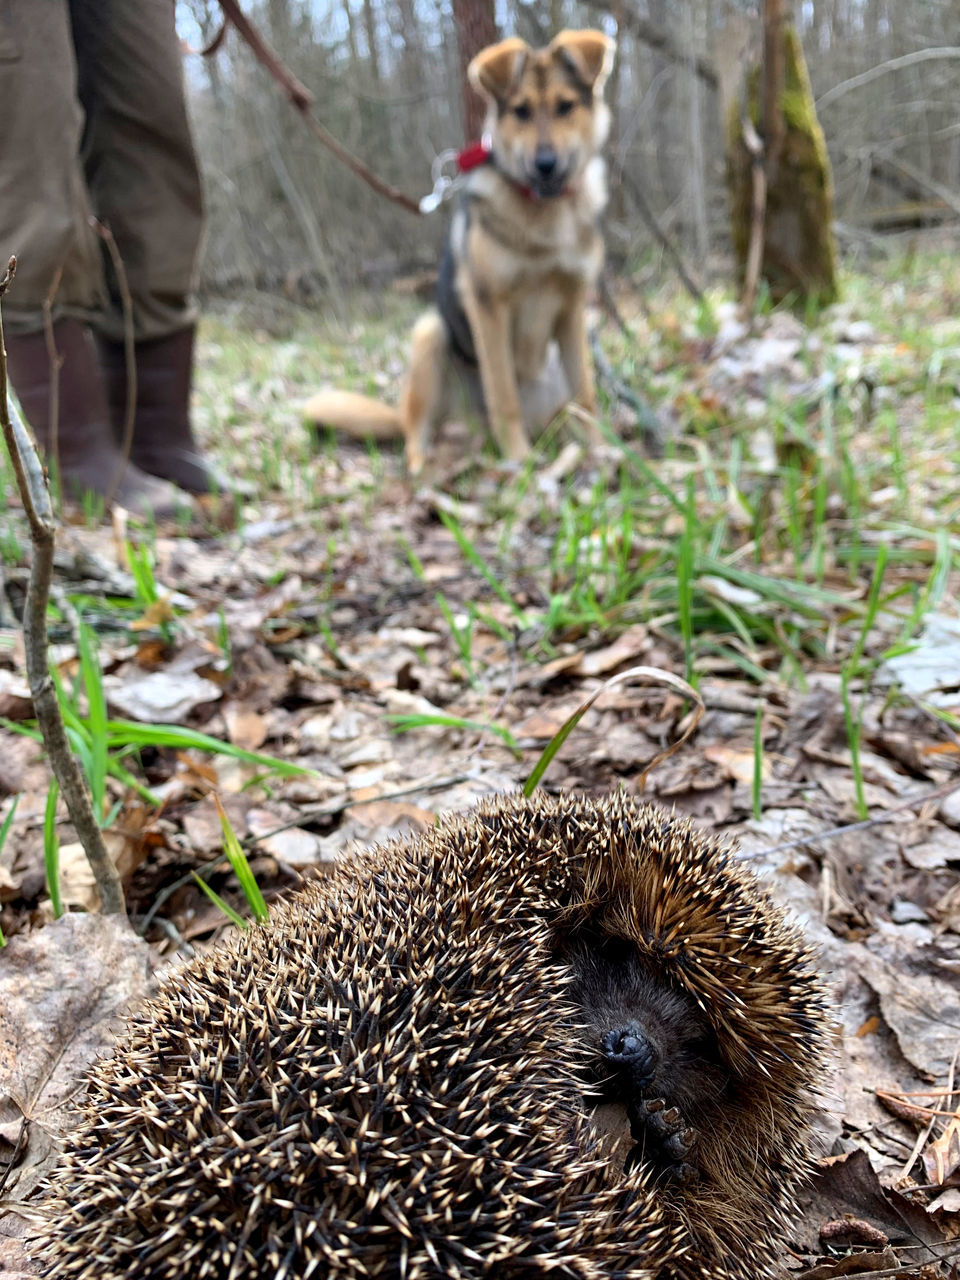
(757,788)
(473,555)
(129,733)
(685,575)
(8,822)
(551,749)
(117,770)
(233,916)
(651,674)
(241,867)
(51,850)
(68,706)
(4,832)
(404,723)
(92,674)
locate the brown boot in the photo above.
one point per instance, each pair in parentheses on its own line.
(163,440)
(88,458)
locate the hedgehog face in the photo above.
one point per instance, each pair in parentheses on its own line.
(647,1037)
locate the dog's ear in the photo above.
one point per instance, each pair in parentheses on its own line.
(495,70)
(588,54)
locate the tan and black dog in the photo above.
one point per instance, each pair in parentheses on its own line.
(522,254)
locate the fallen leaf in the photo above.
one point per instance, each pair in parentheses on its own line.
(738,763)
(632,644)
(941,1157)
(920,1006)
(394,814)
(64,990)
(164,697)
(247,729)
(156,613)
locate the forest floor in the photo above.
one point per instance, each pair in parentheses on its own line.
(794,551)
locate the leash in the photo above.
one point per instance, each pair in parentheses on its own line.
(301,99)
(445,185)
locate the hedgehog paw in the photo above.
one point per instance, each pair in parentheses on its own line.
(629,1051)
(663,1139)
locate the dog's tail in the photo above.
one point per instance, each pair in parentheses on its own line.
(354,415)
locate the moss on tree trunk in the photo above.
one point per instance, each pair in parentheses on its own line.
(799,255)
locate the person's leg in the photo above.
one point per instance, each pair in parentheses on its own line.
(44,220)
(44,209)
(143,179)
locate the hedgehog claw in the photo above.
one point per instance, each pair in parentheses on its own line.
(662,1139)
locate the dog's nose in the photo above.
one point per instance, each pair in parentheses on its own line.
(545,161)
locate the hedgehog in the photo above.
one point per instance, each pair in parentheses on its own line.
(552,1037)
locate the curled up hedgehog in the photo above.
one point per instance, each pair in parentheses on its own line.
(552,1037)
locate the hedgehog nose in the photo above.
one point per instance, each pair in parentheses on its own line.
(545,161)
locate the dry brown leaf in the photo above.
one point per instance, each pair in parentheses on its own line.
(155,615)
(920,1003)
(941,1157)
(64,992)
(738,762)
(247,729)
(632,644)
(393,813)
(160,697)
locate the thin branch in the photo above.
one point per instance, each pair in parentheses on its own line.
(653,224)
(302,99)
(35,496)
(758,212)
(884,68)
(912,802)
(657,38)
(211,47)
(129,356)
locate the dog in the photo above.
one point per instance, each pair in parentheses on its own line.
(522,254)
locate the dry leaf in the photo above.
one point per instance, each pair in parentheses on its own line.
(247,729)
(64,992)
(738,763)
(941,1158)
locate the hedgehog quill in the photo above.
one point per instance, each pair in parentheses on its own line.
(553,1037)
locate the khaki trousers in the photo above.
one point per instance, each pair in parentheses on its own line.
(93,123)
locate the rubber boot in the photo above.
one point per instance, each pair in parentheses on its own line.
(88,459)
(163,439)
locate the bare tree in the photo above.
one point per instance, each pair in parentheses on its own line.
(476,28)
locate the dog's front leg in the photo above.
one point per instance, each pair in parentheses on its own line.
(575,352)
(490,325)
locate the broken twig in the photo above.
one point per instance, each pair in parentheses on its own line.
(35,496)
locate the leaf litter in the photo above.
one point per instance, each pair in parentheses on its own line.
(478,612)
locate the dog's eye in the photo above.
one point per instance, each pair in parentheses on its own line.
(565,106)
(522,111)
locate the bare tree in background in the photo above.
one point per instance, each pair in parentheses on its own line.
(476,28)
(388,77)
(781,186)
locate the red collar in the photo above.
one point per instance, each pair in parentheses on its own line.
(480,153)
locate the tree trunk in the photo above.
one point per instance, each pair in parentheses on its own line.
(774,125)
(351,38)
(476,28)
(666,123)
(798,250)
(370,27)
(411,64)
